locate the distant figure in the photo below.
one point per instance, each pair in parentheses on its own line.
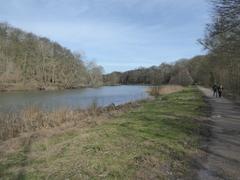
(215,90)
(220,90)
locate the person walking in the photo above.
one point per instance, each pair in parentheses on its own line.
(220,90)
(215,90)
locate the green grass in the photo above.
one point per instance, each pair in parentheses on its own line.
(154,141)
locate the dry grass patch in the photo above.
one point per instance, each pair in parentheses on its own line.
(163,90)
(33,118)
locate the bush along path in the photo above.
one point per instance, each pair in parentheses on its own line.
(223,149)
(157,140)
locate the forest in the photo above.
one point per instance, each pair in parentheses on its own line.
(220,65)
(28,62)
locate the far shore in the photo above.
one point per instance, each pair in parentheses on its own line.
(22,87)
(16,88)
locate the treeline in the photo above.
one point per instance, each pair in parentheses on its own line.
(176,73)
(221,64)
(31,62)
(182,72)
(198,70)
(222,40)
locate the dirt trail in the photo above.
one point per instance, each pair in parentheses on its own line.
(223,149)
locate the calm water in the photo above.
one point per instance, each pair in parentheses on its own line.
(78,98)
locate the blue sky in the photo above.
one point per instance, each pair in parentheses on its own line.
(117,34)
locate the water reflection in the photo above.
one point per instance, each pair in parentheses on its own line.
(78,98)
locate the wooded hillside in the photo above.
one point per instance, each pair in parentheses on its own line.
(31,62)
(177,73)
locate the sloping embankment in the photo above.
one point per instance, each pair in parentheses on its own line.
(157,140)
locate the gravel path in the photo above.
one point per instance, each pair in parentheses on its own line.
(223,149)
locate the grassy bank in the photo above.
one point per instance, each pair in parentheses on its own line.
(32,118)
(154,141)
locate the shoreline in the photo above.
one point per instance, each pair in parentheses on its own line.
(156,138)
(36,115)
(56,88)
(49,88)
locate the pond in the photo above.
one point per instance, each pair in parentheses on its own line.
(75,99)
